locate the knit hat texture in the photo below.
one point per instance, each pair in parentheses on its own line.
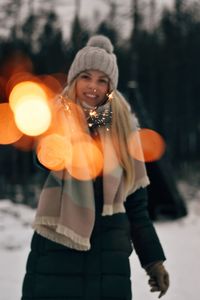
(96,55)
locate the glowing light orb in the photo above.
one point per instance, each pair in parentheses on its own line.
(87,159)
(25,89)
(146,145)
(54,152)
(9,133)
(32,115)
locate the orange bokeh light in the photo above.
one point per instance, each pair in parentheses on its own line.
(87,159)
(146,145)
(54,151)
(32,115)
(25,89)
(9,133)
(28,101)
(79,155)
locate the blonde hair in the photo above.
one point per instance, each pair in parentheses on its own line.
(121,129)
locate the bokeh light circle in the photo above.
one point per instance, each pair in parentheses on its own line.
(32,115)
(146,145)
(25,89)
(87,159)
(54,152)
(9,133)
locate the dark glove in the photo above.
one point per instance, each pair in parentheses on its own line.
(159,278)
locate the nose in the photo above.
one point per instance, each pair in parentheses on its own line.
(92,85)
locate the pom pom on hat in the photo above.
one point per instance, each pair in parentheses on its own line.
(96,55)
(101,41)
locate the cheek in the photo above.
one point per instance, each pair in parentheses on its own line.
(105,91)
(79,88)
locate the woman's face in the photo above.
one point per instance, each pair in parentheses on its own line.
(92,87)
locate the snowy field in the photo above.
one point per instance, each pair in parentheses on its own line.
(180,239)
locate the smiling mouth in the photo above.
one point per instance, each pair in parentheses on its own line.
(92,96)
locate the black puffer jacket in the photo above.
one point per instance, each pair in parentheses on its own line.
(55,272)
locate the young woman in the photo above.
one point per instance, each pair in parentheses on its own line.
(89,218)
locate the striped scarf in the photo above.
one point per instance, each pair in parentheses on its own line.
(66,207)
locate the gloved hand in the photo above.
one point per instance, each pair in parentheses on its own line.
(159,278)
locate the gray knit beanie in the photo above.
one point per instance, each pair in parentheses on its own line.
(97,55)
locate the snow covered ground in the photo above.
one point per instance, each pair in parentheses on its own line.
(180,239)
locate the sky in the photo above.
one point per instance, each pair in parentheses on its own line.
(92,11)
(89,9)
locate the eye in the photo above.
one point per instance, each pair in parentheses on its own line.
(103,81)
(84,76)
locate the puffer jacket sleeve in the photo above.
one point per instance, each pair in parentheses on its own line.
(143,234)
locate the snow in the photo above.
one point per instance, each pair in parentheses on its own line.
(180,239)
